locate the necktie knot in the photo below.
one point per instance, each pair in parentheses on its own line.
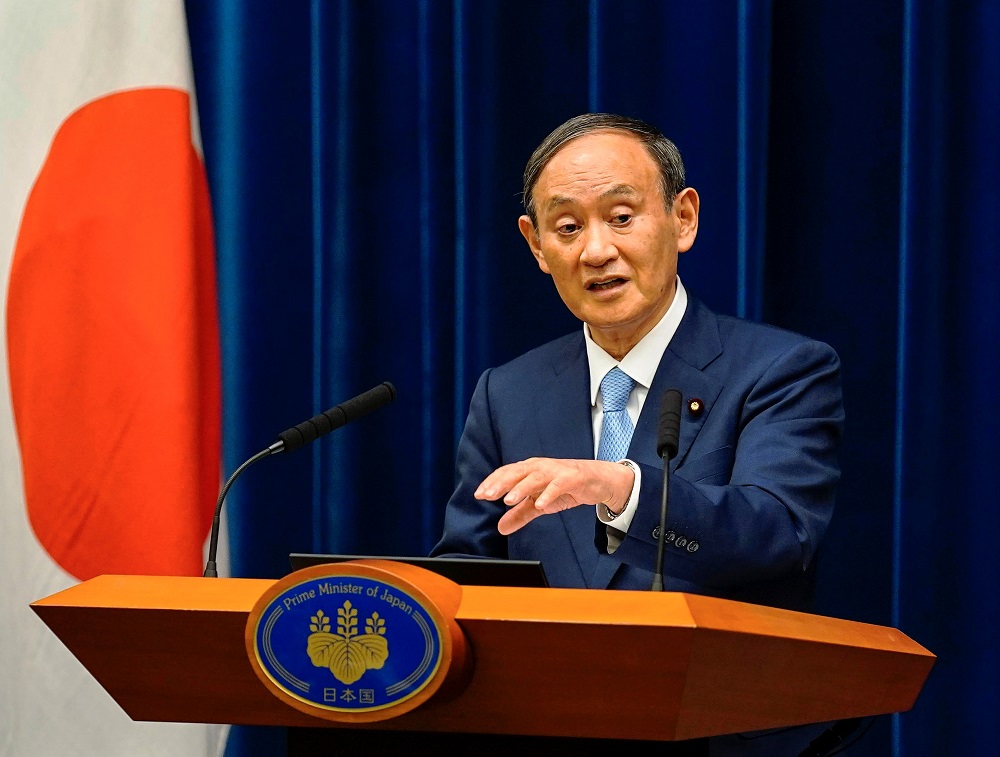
(616,386)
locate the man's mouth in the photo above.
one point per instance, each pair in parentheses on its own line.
(599,286)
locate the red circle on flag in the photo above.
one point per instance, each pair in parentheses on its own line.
(113,343)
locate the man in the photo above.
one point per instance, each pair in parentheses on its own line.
(752,485)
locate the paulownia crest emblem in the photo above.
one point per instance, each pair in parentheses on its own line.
(347,653)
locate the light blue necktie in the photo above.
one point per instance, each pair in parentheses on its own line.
(616,428)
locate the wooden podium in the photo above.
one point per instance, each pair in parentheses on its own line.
(545,662)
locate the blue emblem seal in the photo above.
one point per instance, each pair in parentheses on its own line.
(347,643)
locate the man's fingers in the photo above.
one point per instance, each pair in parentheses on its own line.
(516,480)
(533,484)
(544,485)
(518,516)
(500,481)
(548,500)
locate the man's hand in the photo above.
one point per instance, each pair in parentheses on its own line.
(543,485)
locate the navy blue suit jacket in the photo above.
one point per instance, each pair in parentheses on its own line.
(751,487)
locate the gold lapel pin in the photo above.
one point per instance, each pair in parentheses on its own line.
(695,406)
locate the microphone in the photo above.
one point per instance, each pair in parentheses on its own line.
(298,436)
(670,424)
(666,448)
(322,424)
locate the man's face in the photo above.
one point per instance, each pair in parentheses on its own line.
(606,237)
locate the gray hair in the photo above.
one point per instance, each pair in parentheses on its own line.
(661,150)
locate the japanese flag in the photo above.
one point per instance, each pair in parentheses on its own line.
(109,366)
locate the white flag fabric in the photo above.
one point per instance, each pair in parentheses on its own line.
(109,367)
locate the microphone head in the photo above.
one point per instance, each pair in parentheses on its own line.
(670,424)
(357,407)
(332,419)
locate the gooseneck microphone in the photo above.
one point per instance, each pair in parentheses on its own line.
(298,436)
(666,447)
(322,424)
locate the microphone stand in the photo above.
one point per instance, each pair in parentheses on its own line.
(666,447)
(213,546)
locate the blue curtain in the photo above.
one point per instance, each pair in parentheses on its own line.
(365,159)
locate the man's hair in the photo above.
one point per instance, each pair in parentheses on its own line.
(661,150)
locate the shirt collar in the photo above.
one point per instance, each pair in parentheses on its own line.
(642,360)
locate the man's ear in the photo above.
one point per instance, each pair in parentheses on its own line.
(685,210)
(534,243)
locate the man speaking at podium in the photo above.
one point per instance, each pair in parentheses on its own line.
(558,459)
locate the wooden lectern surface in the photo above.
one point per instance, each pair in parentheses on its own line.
(547,661)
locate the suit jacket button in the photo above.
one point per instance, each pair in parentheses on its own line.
(681,542)
(668,538)
(693,546)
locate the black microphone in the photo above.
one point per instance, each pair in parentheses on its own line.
(666,448)
(322,424)
(298,436)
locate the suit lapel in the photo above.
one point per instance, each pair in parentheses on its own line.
(694,346)
(562,407)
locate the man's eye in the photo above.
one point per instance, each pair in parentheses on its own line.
(568,228)
(621,219)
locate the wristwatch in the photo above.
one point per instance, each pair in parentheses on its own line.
(608,512)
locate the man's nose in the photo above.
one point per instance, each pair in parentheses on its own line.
(598,246)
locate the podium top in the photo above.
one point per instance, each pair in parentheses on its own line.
(703,666)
